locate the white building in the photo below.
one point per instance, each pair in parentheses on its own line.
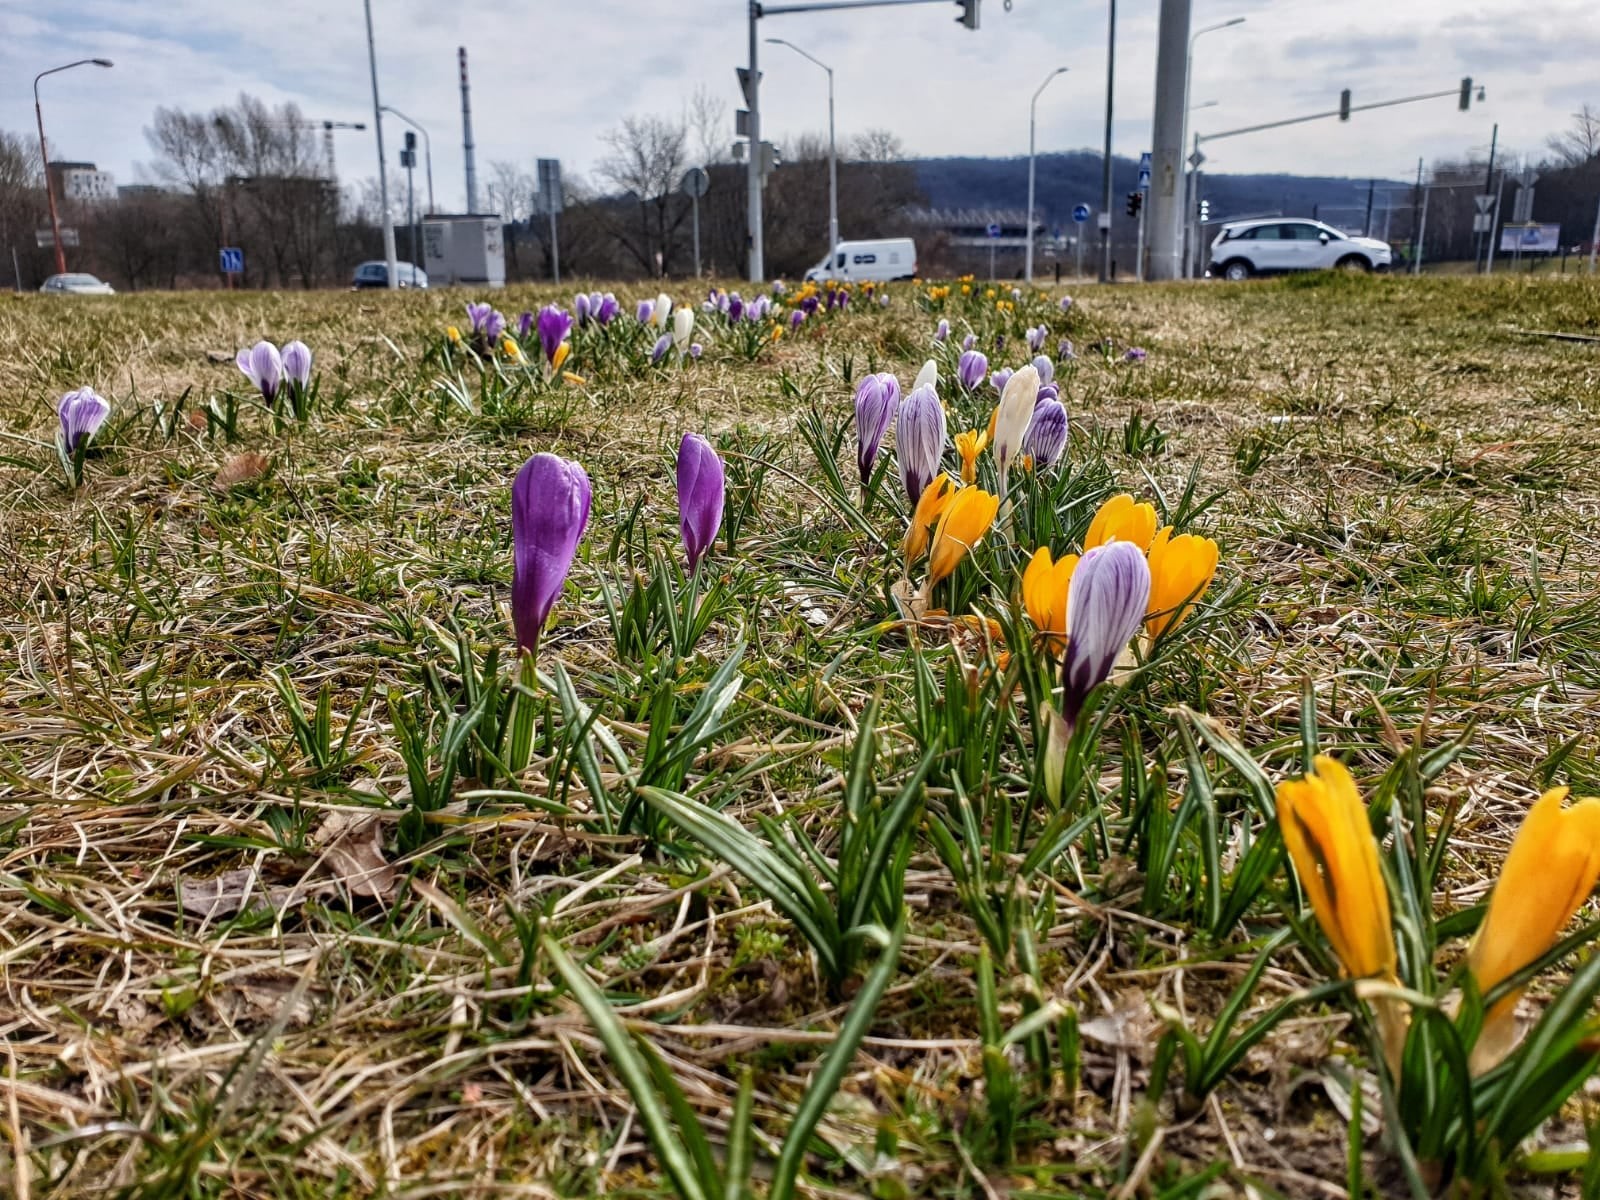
(83,182)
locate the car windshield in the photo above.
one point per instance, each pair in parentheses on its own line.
(78,279)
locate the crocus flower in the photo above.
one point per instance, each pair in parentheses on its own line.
(795,319)
(661,310)
(1045,586)
(659,351)
(297,365)
(580,307)
(1001,377)
(1016,294)
(969,445)
(1048,392)
(478,315)
(1012,418)
(606,311)
(971,367)
(1036,336)
(734,307)
(82,412)
(1181,569)
(493,326)
(645,311)
(1110,595)
(265,369)
(941,331)
(696,349)
(1046,368)
(1134,354)
(810,304)
(966,518)
(1064,350)
(1329,838)
(682,328)
(877,398)
(700,490)
(930,507)
(1047,433)
(779,287)
(928,376)
(524,324)
(549,509)
(1120,519)
(919,440)
(1550,871)
(968,342)
(1066,303)
(554,326)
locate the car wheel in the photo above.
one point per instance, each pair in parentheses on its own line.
(1353,263)
(1235,270)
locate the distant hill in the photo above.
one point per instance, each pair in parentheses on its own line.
(1064,180)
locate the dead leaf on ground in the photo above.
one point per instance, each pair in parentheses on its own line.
(354,854)
(1132,1025)
(242,468)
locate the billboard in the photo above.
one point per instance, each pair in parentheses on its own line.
(1530,239)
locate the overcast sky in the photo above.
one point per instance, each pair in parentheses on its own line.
(551,76)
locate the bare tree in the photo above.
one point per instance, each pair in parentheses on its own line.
(21,193)
(1580,142)
(877,146)
(648,155)
(511,191)
(706,116)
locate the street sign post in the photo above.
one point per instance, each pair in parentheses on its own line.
(1144,171)
(993,232)
(1080,213)
(1144,188)
(232,259)
(46,238)
(552,202)
(695,184)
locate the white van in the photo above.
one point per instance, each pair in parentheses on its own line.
(882,260)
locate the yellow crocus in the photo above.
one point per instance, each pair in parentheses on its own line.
(1181,569)
(560,356)
(966,518)
(1121,519)
(511,350)
(1045,583)
(969,445)
(930,507)
(1550,871)
(454,334)
(1329,838)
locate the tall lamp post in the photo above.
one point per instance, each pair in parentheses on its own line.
(389,258)
(1027,270)
(1184,216)
(44,155)
(427,147)
(833,157)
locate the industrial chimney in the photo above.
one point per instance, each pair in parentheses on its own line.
(466,134)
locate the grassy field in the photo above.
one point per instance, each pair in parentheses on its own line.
(247,948)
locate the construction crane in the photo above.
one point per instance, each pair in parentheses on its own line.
(327,140)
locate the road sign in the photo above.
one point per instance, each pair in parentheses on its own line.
(1080,213)
(549,198)
(744,82)
(1104,221)
(1144,171)
(695,183)
(1482,222)
(232,260)
(741,123)
(46,238)
(1484,203)
(1195,159)
(994,229)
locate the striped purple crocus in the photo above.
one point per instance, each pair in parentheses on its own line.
(607,308)
(82,412)
(296,360)
(919,436)
(580,308)
(971,368)
(968,342)
(1105,607)
(478,316)
(659,350)
(1036,336)
(700,479)
(549,510)
(1000,378)
(264,367)
(1047,433)
(877,398)
(941,331)
(1046,368)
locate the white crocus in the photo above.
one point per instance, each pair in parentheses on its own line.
(682,327)
(661,311)
(1014,415)
(928,376)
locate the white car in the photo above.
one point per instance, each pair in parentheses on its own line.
(1246,248)
(76,285)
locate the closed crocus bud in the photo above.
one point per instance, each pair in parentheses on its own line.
(1109,596)
(1122,519)
(549,510)
(645,310)
(297,364)
(696,350)
(659,351)
(928,376)
(493,326)
(734,307)
(919,440)
(82,412)
(1181,569)
(942,331)
(478,315)
(1047,433)
(877,398)
(1066,303)
(795,318)
(554,325)
(1036,337)
(1046,368)
(971,368)
(264,368)
(682,328)
(580,308)
(524,325)
(1048,392)
(1001,377)
(1013,416)
(968,342)
(1064,350)
(661,310)
(700,491)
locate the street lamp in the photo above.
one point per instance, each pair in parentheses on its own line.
(44,155)
(427,147)
(1027,270)
(389,259)
(833,158)
(1181,238)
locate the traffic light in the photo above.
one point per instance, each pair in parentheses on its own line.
(1466,94)
(969,13)
(1135,200)
(411,140)
(1344,105)
(1205,211)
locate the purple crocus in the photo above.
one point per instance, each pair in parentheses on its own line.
(608,308)
(524,325)
(554,324)
(1066,303)
(919,440)
(549,509)
(1064,350)
(478,316)
(264,367)
(1046,368)
(580,307)
(1134,354)
(968,342)
(1048,392)
(663,344)
(645,311)
(810,305)
(1036,336)
(795,318)
(971,368)
(1107,602)
(942,331)
(297,365)
(758,308)
(735,309)
(696,349)
(1047,433)
(877,398)
(779,287)
(700,489)
(493,326)
(1001,377)
(82,412)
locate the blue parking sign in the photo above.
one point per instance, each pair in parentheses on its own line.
(1080,213)
(232,260)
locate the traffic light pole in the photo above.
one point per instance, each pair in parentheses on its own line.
(1319,116)
(1105,170)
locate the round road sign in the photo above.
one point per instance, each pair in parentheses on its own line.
(695,183)
(1080,213)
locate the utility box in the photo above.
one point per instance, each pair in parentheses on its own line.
(465,249)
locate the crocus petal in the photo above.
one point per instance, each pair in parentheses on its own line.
(663,344)
(927,377)
(297,364)
(554,325)
(82,412)
(966,518)
(1013,415)
(682,327)
(1000,378)
(942,331)
(1109,597)
(1181,569)
(1047,433)
(700,479)
(549,510)
(971,368)
(645,310)
(661,311)
(919,440)
(1046,369)
(1122,520)
(264,367)
(969,445)
(930,507)
(877,399)
(1045,587)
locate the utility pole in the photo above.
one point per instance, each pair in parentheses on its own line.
(1027,271)
(1594,241)
(466,133)
(1105,171)
(383,164)
(1166,140)
(833,157)
(1366,224)
(1488,182)
(752,98)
